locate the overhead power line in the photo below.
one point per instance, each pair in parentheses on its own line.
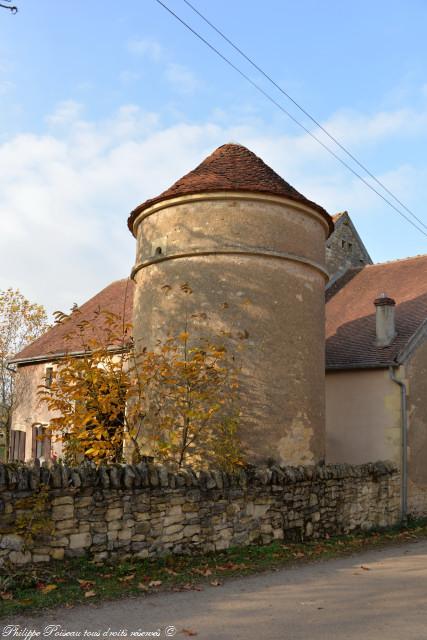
(305,112)
(279,106)
(11,8)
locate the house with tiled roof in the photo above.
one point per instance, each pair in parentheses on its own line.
(376,369)
(301,286)
(344,247)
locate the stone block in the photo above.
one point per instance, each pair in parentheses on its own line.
(112,536)
(20,557)
(57,554)
(114,514)
(142,527)
(173,537)
(11,541)
(61,500)
(63,512)
(80,540)
(41,557)
(175,510)
(65,526)
(191,530)
(170,520)
(99,538)
(172,529)
(83,501)
(59,541)
(222,544)
(125,534)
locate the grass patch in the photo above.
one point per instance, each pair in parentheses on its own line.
(80,580)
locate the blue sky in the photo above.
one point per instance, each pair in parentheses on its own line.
(105,104)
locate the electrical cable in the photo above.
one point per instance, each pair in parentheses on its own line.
(305,112)
(279,106)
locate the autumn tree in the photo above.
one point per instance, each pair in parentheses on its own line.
(89,392)
(189,403)
(21,322)
(177,402)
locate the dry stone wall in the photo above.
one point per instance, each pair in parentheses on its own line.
(144,510)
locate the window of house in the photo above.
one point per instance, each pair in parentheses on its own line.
(48,377)
(17,446)
(41,445)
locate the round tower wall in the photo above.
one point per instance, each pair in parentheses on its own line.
(255,265)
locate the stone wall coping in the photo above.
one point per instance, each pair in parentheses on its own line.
(18,477)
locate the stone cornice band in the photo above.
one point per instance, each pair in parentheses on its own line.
(230,195)
(261,253)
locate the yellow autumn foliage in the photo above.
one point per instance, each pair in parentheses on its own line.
(177,403)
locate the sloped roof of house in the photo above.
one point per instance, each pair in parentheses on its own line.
(231,167)
(116,298)
(350,312)
(337,216)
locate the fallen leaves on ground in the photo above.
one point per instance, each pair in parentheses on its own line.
(155,583)
(85,584)
(216,583)
(6,595)
(232,566)
(188,632)
(362,566)
(128,578)
(48,588)
(90,594)
(204,571)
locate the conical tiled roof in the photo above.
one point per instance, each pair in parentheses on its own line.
(231,167)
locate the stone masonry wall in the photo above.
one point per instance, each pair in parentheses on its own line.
(145,511)
(344,248)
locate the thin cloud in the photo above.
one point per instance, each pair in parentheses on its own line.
(65,113)
(145,47)
(181,78)
(6,86)
(66,193)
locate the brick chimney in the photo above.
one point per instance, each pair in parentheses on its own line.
(385,320)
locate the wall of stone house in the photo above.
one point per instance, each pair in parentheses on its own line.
(416,380)
(145,511)
(363,419)
(28,410)
(344,248)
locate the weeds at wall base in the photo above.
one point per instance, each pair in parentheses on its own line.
(70,582)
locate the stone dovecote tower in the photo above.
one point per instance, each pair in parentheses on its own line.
(252,249)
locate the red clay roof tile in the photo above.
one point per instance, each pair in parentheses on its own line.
(117,298)
(350,311)
(231,167)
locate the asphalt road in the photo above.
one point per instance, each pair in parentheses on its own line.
(329,600)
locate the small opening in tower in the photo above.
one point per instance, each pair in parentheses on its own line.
(158,251)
